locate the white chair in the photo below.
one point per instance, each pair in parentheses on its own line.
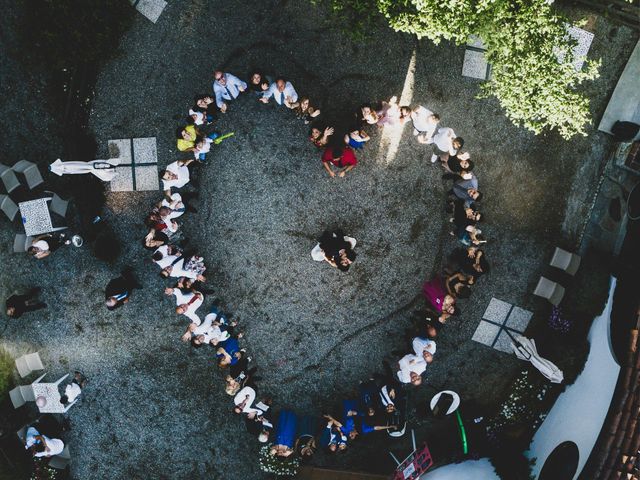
(17,398)
(62,460)
(8,178)
(9,207)
(58,205)
(29,363)
(552,291)
(567,261)
(21,243)
(30,172)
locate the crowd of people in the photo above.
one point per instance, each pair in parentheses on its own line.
(380,404)
(381,401)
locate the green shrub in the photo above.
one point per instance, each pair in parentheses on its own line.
(523,39)
(6,372)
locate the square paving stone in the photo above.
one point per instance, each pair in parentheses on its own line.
(152,9)
(497,311)
(486,333)
(121,149)
(123,181)
(504,342)
(475,65)
(519,319)
(144,150)
(147,178)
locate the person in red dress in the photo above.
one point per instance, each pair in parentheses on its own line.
(343,159)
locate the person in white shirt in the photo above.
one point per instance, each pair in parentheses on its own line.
(197,117)
(166,255)
(211,331)
(42,446)
(282,92)
(446,144)
(187,303)
(422,345)
(192,267)
(73,390)
(411,367)
(175,203)
(226,87)
(425,123)
(176,175)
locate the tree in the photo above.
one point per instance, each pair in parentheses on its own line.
(533,76)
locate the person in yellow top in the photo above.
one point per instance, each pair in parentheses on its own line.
(187,138)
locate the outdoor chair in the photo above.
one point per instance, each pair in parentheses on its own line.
(9,207)
(22,434)
(30,172)
(57,205)
(9,179)
(21,394)
(21,243)
(567,261)
(29,363)
(61,461)
(552,291)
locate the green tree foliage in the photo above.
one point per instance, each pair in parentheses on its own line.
(6,371)
(523,38)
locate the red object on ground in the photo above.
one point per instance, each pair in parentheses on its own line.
(415,465)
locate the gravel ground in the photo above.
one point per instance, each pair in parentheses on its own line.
(155,408)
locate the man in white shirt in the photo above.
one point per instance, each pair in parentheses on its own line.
(165,255)
(425,123)
(411,367)
(42,446)
(187,303)
(208,331)
(226,87)
(176,175)
(282,92)
(422,345)
(178,270)
(446,144)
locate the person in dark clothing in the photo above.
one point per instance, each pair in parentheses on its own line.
(336,249)
(119,289)
(17,304)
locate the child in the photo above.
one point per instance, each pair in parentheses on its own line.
(356,139)
(304,110)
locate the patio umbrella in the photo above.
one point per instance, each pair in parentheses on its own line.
(525,349)
(103,169)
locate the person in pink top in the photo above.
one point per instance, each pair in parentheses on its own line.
(435,292)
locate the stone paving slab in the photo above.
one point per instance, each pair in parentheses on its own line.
(499,317)
(497,311)
(475,65)
(152,9)
(138,169)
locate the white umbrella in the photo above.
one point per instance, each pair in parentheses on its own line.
(525,349)
(103,169)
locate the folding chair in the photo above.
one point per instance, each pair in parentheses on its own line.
(17,399)
(9,207)
(567,261)
(58,205)
(61,461)
(552,291)
(29,363)
(21,243)
(30,172)
(9,179)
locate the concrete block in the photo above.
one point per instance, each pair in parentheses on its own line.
(497,311)
(475,65)
(519,319)
(147,178)
(486,333)
(152,9)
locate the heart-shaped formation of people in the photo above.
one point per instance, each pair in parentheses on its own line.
(382,401)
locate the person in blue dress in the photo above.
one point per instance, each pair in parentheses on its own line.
(229,352)
(332,437)
(285,434)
